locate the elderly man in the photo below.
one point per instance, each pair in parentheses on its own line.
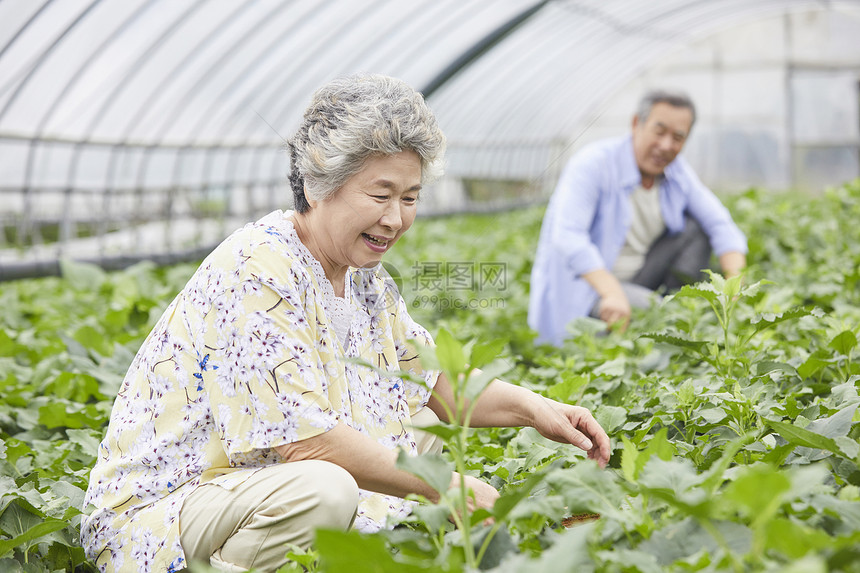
(628,217)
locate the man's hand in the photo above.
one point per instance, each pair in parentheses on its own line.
(732,263)
(615,308)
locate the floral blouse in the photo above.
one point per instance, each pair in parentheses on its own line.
(243,360)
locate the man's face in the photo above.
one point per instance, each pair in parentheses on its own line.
(659,139)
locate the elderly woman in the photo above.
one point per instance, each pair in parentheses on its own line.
(242,424)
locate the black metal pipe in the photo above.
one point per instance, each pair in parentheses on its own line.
(480,48)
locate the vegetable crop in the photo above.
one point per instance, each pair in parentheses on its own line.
(732,406)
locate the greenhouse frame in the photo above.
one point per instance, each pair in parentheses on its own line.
(150,129)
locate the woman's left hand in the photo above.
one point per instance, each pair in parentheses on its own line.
(572,425)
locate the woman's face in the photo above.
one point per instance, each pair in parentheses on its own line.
(364,218)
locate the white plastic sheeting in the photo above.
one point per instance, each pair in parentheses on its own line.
(117,116)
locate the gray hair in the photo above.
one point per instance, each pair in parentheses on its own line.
(673,98)
(353,118)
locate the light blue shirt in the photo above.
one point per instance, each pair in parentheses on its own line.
(587,220)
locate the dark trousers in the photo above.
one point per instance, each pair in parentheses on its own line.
(671,262)
(676,260)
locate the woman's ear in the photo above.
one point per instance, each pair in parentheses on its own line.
(311,202)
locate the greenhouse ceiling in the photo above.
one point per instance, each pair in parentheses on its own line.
(148,129)
(230,73)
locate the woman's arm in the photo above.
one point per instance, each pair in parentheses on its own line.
(372,465)
(505,405)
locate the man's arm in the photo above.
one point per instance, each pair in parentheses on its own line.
(613,305)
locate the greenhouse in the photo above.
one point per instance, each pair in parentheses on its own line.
(136,136)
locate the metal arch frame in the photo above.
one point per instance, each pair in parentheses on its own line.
(87,62)
(208,157)
(406,55)
(23,230)
(298,64)
(109,101)
(40,59)
(205,77)
(770,6)
(304,90)
(290,104)
(66,225)
(239,77)
(430,36)
(248,136)
(251,89)
(491,82)
(182,64)
(155,92)
(481,47)
(35,16)
(484,82)
(132,70)
(210,72)
(24,225)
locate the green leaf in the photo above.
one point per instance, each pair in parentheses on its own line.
(614,367)
(450,354)
(88,440)
(92,339)
(357,553)
(802,437)
(793,539)
(444,431)
(660,445)
(586,487)
(610,418)
(684,538)
(768,319)
(758,491)
(704,291)
(475,383)
(82,276)
(629,459)
(485,352)
(732,287)
(844,342)
(23,527)
(677,483)
(431,468)
(678,340)
(513,496)
(813,364)
(631,560)
(568,388)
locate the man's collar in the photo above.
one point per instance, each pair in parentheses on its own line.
(630,176)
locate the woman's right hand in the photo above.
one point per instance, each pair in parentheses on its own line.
(483,494)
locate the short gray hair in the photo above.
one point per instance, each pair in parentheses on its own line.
(673,98)
(353,118)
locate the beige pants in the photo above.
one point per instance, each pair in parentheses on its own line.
(251,525)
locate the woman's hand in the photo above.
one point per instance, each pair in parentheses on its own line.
(483,494)
(571,425)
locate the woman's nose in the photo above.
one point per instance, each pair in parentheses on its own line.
(391,217)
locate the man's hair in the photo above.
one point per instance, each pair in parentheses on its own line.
(673,98)
(353,118)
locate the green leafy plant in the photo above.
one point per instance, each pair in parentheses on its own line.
(732,406)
